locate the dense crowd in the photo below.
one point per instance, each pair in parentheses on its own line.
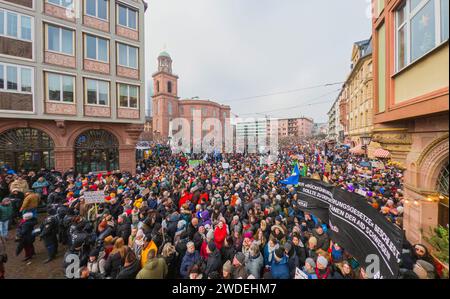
(227,217)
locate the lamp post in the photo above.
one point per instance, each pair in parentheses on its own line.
(365,140)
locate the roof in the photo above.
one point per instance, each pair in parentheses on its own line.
(365,46)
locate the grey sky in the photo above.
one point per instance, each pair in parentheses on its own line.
(230,49)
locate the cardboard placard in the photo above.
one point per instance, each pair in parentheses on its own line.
(94,197)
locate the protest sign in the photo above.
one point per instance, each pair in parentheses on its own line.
(299,274)
(94,197)
(225,165)
(359,228)
(195,163)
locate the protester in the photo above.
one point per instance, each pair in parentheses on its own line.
(172,220)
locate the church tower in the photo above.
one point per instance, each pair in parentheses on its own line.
(165,96)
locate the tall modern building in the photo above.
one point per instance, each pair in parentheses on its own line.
(71,83)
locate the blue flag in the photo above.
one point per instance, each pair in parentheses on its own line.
(294,178)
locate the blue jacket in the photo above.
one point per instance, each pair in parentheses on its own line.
(189,259)
(280,270)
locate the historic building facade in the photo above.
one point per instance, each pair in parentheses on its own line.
(411,67)
(167,106)
(71,84)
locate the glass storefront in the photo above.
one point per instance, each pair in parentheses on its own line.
(26,148)
(95,151)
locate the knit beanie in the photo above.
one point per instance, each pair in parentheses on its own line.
(311,262)
(424,270)
(322,261)
(240,257)
(227,267)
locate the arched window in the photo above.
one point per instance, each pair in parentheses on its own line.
(157,86)
(96,150)
(169,87)
(442,189)
(442,184)
(26,148)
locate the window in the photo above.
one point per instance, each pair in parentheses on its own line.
(157,86)
(128,96)
(169,87)
(14,25)
(96,48)
(181,110)
(127,17)
(169,108)
(97,92)
(15,78)
(97,8)
(128,56)
(63,3)
(60,40)
(60,88)
(422,25)
(204,111)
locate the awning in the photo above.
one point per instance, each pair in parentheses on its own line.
(357,150)
(381,153)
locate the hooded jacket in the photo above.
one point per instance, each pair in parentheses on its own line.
(154,269)
(280,270)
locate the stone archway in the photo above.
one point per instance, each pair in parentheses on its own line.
(431,161)
(26,148)
(96,150)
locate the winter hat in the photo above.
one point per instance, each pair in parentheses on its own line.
(279,253)
(227,267)
(27,216)
(311,262)
(288,247)
(322,261)
(211,246)
(240,257)
(424,270)
(181,225)
(312,241)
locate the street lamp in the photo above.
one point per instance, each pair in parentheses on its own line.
(365,140)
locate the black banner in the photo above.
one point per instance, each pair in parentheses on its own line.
(359,228)
(314,197)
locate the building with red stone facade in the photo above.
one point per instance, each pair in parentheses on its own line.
(71,83)
(411,104)
(167,106)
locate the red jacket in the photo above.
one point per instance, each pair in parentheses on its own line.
(187,196)
(203,252)
(220,235)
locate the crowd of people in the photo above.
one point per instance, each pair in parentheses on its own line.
(226,217)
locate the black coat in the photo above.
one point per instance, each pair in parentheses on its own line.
(113,264)
(25,232)
(124,231)
(214,262)
(198,240)
(129,272)
(228,253)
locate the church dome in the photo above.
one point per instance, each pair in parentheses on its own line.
(164,54)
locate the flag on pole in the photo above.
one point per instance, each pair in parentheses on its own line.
(294,178)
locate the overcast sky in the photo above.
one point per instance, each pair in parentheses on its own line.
(225,50)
